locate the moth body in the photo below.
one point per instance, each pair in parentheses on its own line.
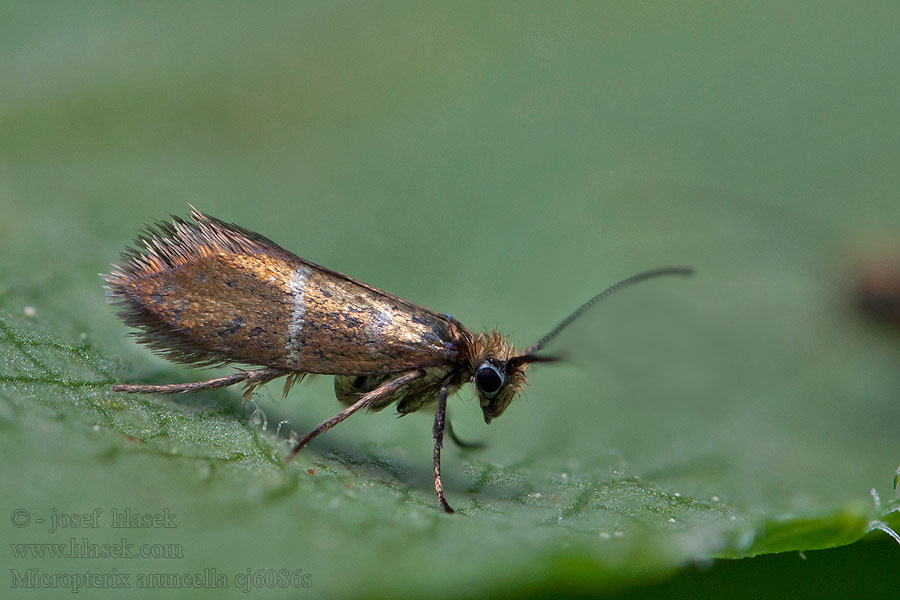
(208,292)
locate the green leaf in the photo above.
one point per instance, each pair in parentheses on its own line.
(502,163)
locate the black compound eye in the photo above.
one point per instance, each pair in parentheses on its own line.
(488,380)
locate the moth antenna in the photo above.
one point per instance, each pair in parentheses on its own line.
(528,355)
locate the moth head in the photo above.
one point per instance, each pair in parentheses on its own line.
(493,389)
(498,374)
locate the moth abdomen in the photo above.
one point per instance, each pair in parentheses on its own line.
(412,397)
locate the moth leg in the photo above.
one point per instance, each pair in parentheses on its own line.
(367,399)
(252,378)
(438,442)
(459,442)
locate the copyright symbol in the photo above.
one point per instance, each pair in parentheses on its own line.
(20,518)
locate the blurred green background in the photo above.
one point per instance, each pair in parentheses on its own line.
(502,162)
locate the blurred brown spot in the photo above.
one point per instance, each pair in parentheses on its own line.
(877,289)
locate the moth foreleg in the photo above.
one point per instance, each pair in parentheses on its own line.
(368,399)
(460,442)
(438,434)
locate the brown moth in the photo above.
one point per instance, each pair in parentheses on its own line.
(211,293)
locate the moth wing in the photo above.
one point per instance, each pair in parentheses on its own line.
(340,325)
(210,292)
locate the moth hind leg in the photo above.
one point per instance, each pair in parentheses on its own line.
(252,379)
(292,379)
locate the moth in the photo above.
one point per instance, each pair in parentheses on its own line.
(208,293)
